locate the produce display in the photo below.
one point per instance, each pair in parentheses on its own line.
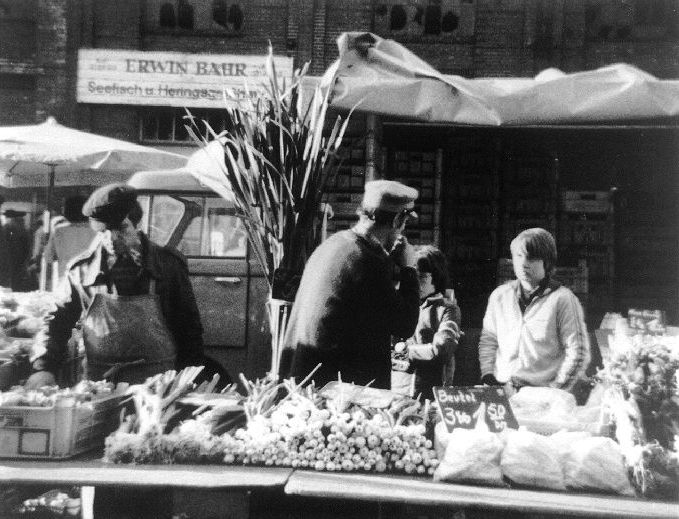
(49,396)
(23,323)
(343,427)
(564,460)
(644,400)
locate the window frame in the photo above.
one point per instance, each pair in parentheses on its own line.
(148,218)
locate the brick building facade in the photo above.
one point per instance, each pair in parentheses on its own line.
(473,38)
(39,42)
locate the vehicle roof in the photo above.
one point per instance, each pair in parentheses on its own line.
(167,180)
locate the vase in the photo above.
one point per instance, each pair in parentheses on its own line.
(279,315)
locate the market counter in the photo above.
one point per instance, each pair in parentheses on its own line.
(196,491)
(97,473)
(411,490)
(246,492)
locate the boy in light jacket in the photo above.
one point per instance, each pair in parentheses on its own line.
(534,331)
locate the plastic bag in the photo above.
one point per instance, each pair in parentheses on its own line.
(471,456)
(531,459)
(543,403)
(562,441)
(596,463)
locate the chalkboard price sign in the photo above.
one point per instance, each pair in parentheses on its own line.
(462,407)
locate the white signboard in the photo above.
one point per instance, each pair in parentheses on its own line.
(171,78)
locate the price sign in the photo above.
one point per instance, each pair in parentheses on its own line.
(460,407)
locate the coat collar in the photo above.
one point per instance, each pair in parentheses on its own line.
(91,263)
(549,286)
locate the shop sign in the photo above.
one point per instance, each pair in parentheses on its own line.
(461,407)
(172,79)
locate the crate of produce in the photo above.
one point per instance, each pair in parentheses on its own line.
(586,202)
(56,427)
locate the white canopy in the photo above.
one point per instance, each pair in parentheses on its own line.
(386,78)
(29,154)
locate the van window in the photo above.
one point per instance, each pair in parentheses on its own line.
(196,226)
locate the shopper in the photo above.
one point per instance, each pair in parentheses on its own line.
(15,248)
(70,238)
(133,298)
(534,330)
(430,351)
(347,308)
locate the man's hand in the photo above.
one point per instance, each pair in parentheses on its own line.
(403,253)
(490,380)
(40,379)
(509,389)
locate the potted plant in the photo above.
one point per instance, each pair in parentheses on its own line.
(278,156)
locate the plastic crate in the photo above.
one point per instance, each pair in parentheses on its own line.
(57,432)
(586,202)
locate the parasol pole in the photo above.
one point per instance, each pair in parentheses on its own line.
(47,221)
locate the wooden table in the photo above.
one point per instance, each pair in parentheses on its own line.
(408,490)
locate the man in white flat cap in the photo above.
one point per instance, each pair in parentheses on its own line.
(347,306)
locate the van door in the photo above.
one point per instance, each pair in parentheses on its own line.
(213,239)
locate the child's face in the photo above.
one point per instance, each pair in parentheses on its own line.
(426,286)
(528,271)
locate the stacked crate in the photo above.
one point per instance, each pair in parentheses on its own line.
(418,169)
(470,224)
(345,191)
(529,197)
(586,234)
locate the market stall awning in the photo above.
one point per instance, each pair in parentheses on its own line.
(29,154)
(201,173)
(388,79)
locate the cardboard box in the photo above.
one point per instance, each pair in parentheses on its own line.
(60,431)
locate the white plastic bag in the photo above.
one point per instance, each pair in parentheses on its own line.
(471,455)
(543,403)
(596,463)
(530,459)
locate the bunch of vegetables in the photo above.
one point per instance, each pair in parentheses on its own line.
(282,424)
(307,429)
(644,401)
(151,435)
(49,396)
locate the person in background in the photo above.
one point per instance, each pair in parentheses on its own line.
(40,238)
(154,327)
(430,351)
(71,237)
(15,249)
(347,308)
(534,331)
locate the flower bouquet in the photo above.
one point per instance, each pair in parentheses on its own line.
(278,156)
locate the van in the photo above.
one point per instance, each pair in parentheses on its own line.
(230,287)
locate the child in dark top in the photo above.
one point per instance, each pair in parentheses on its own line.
(430,351)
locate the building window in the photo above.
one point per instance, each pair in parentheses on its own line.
(432,18)
(429,18)
(167,17)
(450,22)
(184,15)
(631,20)
(235,17)
(195,15)
(219,12)
(169,124)
(399,18)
